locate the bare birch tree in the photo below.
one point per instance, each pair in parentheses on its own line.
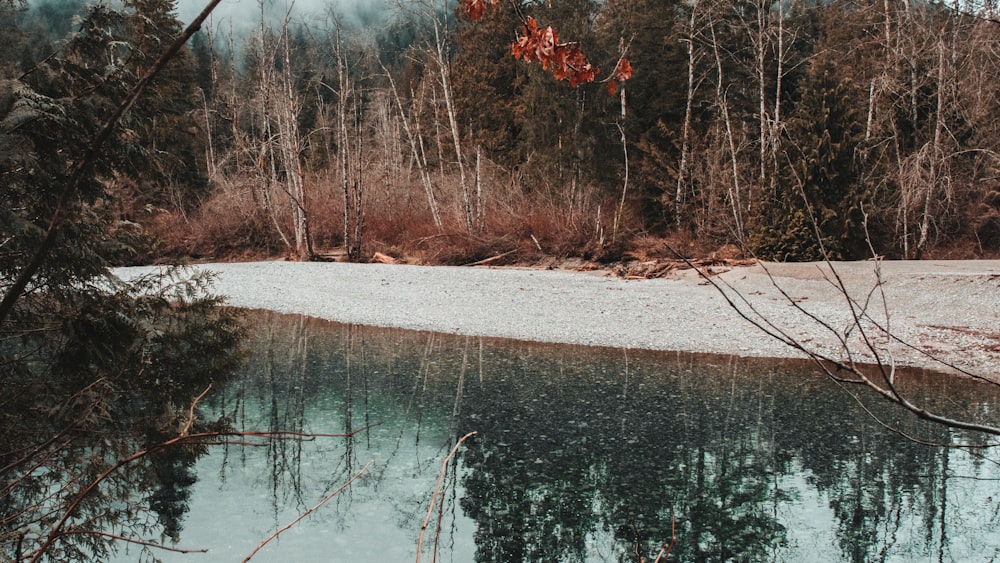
(692,61)
(437,50)
(734,187)
(444,70)
(280,141)
(416,150)
(290,143)
(348,165)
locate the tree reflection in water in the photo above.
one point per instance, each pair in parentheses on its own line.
(588,454)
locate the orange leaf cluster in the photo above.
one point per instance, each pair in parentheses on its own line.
(623,71)
(538,44)
(476,9)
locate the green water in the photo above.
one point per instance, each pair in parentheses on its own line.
(581,454)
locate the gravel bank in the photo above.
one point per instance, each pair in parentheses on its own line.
(951,308)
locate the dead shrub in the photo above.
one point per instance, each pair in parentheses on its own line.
(511,225)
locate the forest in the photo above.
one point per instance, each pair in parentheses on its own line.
(438,133)
(783,131)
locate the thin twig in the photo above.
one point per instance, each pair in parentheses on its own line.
(134,541)
(888,427)
(197,438)
(890,393)
(666,549)
(437,490)
(326,499)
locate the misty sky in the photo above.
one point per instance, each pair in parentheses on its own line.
(246,13)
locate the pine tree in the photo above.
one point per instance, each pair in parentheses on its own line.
(93,369)
(816,210)
(171,168)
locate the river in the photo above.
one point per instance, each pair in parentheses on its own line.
(580,454)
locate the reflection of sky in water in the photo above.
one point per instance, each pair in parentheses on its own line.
(581,451)
(367,522)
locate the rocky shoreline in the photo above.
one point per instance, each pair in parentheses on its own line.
(937,311)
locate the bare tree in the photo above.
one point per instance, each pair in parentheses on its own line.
(734,187)
(348,165)
(444,70)
(437,50)
(416,149)
(291,144)
(280,143)
(692,59)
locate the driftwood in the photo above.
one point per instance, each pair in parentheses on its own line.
(491,258)
(652,269)
(384,258)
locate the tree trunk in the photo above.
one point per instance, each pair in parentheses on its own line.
(470,222)
(733,187)
(416,152)
(344,151)
(290,143)
(686,127)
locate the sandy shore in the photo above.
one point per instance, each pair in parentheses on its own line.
(948,308)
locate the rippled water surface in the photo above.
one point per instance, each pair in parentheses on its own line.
(581,454)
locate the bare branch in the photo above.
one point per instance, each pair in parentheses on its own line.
(194,403)
(198,438)
(827,363)
(134,541)
(667,548)
(308,512)
(437,490)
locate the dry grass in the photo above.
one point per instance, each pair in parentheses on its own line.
(514,226)
(230,225)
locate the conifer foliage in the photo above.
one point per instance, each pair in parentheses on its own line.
(815,209)
(170,171)
(92,369)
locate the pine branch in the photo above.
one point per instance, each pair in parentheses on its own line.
(81,169)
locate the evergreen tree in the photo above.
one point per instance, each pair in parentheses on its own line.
(170,170)
(204,59)
(487,81)
(655,95)
(556,133)
(92,369)
(556,130)
(816,209)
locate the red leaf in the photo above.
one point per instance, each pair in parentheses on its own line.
(476,9)
(564,60)
(624,70)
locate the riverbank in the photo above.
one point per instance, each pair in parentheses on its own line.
(950,309)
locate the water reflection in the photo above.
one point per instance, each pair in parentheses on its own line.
(582,454)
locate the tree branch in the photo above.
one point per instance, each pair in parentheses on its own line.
(134,541)
(81,168)
(308,512)
(437,490)
(889,391)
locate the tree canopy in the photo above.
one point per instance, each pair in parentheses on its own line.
(93,369)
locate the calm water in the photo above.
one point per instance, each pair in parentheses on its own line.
(582,454)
